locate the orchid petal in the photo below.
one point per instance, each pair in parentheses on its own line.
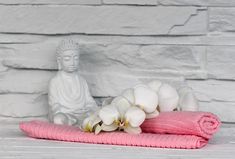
(108,114)
(95,121)
(133,130)
(155,85)
(111,127)
(169,104)
(188,102)
(121,104)
(91,120)
(94,117)
(146,98)
(86,124)
(98,129)
(129,95)
(152,115)
(168,98)
(135,116)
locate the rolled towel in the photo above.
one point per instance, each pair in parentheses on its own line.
(45,130)
(201,124)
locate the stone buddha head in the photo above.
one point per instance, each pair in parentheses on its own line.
(68,56)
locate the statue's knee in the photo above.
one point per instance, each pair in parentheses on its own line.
(72,120)
(60,119)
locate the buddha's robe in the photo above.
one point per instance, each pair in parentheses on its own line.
(69,94)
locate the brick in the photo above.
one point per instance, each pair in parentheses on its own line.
(118,20)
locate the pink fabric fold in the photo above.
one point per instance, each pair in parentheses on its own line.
(203,124)
(45,130)
(182,130)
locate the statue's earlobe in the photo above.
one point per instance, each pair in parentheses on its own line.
(59,63)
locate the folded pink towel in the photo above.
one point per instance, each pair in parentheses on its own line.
(186,130)
(45,130)
(202,124)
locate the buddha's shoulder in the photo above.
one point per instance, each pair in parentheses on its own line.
(81,78)
(54,80)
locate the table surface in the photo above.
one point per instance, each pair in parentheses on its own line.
(14,144)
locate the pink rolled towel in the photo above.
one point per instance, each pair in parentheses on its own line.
(45,130)
(202,124)
(187,123)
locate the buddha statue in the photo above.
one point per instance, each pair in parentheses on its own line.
(69,98)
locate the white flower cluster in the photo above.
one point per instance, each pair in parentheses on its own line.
(129,110)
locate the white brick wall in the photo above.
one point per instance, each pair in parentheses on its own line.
(122,42)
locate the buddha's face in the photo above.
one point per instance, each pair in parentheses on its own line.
(69,61)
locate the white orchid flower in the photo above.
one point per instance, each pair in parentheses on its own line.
(92,123)
(155,85)
(146,99)
(121,104)
(120,115)
(128,94)
(187,100)
(168,98)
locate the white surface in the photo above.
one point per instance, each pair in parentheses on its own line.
(15,145)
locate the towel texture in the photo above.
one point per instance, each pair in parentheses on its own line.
(45,130)
(194,134)
(202,124)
